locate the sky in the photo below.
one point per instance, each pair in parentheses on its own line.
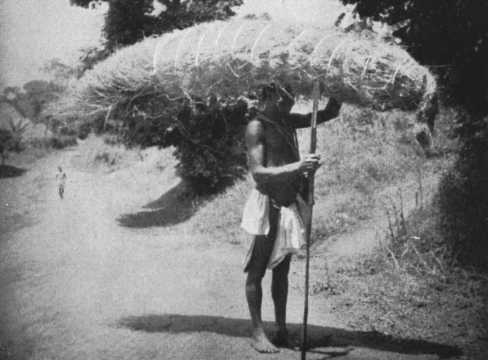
(34,31)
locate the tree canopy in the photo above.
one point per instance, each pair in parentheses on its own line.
(450,35)
(128,21)
(32,99)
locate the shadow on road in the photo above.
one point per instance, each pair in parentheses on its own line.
(319,336)
(174,206)
(7,171)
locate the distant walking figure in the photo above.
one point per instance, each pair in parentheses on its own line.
(61,178)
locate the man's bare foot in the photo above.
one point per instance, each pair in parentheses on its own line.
(282,339)
(261,343)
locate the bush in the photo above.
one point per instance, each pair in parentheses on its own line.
(66,131)
(11,139)
(6,143)
(54,142)
(62,141)
(84,130)
(463,199)
(210,146)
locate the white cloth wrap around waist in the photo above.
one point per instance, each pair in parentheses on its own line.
(290,234)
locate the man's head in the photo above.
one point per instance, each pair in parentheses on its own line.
(276,99)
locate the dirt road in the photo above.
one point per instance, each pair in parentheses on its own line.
(75,284)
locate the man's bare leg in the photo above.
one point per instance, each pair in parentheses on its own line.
(279,292)
(254,295)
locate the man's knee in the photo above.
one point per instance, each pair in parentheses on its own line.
(283,268)
(255,273)
(258,263)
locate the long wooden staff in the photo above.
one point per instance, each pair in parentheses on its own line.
(311,178)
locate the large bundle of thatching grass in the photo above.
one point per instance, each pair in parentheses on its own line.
(234,56)
(229,58)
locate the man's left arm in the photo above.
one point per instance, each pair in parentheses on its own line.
(330,112)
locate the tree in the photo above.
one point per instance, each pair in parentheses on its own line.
(452,37)
(38,93)
(179,14)
(33,99)
(128,21)
(82,3)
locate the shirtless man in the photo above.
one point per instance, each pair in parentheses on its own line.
(279,175)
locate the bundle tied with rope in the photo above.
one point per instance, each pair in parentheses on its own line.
(229,58)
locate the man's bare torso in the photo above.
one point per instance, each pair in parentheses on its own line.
(280,148)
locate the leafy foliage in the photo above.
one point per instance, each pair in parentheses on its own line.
(59,71)
(83,3)
(207,135)
(182,14)
(463,195)
(452,36)
(32,99)
(89,57)
(6,139)
(128,21)
(11,139)
(210,144)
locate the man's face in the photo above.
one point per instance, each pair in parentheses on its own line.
(285,104)
(280,103)
(285,100)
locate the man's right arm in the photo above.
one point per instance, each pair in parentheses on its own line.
(264,175)
(330,112)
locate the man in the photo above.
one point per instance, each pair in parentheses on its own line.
(271,213)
